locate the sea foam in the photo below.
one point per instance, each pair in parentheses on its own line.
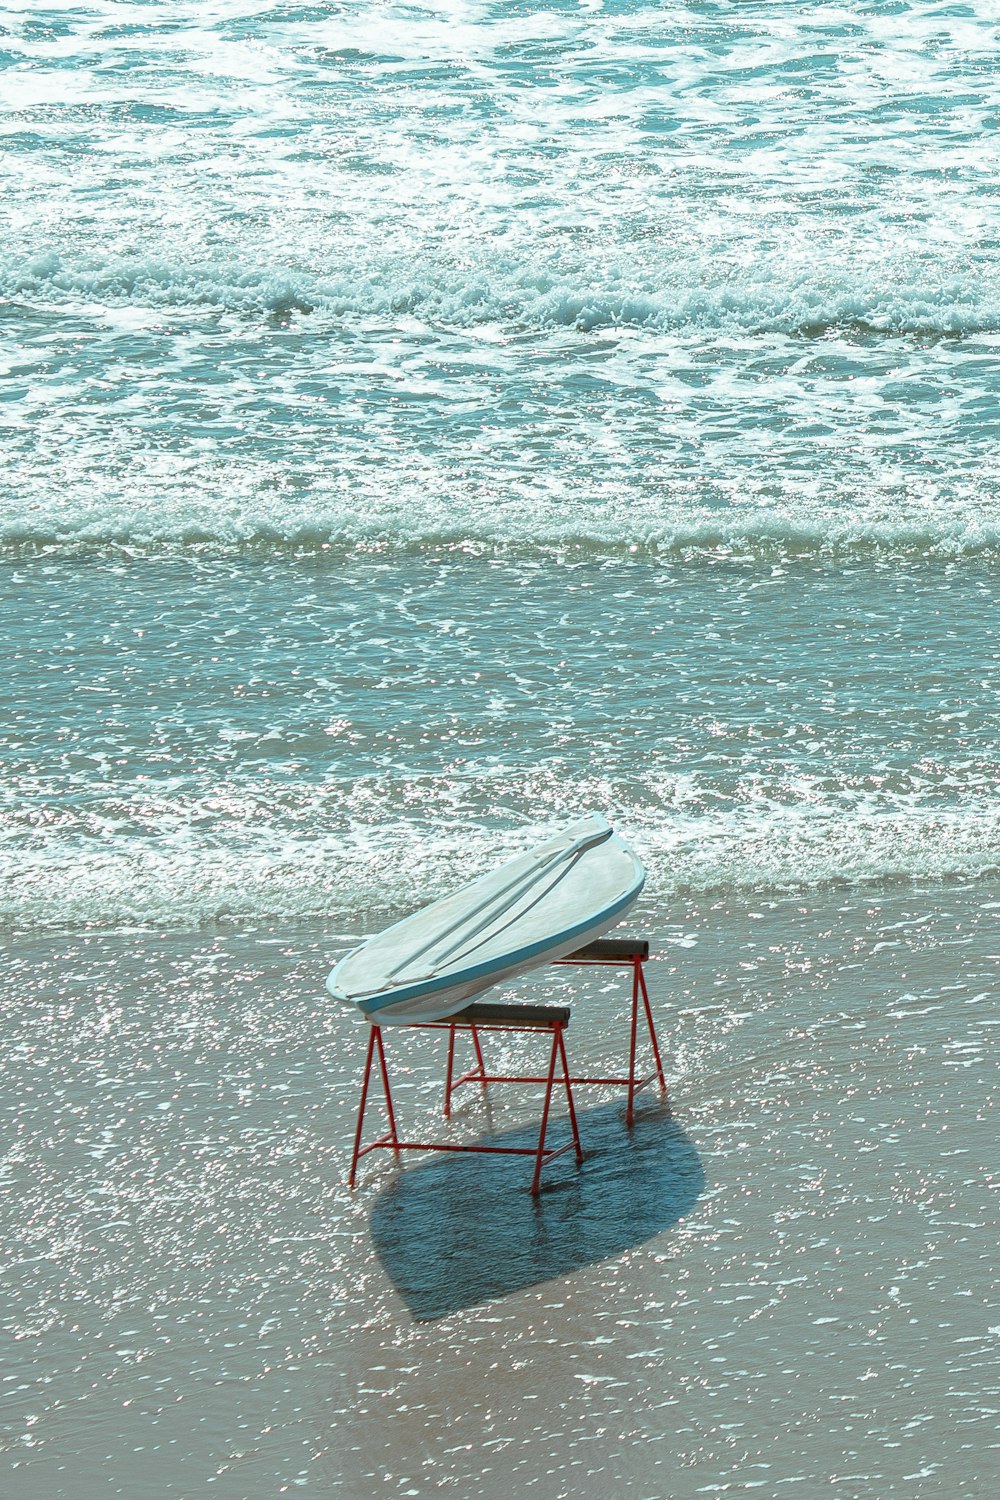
(183,883)
(791,294)
(199,510)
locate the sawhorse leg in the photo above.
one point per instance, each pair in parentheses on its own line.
(558,1054)
(476,1074)
(391,1137)
(639,990)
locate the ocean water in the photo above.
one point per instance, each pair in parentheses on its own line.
(423,424)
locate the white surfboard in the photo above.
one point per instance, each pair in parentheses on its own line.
(538,907)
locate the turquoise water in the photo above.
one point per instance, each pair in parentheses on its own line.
(425,424)
(195,739)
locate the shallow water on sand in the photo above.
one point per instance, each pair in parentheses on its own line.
(192,738)
(783,1281)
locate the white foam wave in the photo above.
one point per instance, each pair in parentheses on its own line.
(766,295)
(648,533)
(183,884)
(382,504)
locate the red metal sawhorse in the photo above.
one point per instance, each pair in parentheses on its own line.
(604,952)
(475,1018)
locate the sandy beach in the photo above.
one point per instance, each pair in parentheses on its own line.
(782,1282)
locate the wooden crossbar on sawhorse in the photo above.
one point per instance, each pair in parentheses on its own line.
(606,952)
(475,1018)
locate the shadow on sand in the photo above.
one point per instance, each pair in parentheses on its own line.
(460,1230)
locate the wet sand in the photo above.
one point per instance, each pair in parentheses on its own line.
(783,1282)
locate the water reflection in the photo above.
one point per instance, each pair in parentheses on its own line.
(460,1230)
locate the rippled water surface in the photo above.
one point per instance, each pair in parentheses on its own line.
(189,740)
(422,425)
(617,273)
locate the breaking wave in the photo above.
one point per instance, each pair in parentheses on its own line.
(378,504)
(778,295)
(381,872)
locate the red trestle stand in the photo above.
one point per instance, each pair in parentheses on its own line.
(476,1018)
(630,953)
